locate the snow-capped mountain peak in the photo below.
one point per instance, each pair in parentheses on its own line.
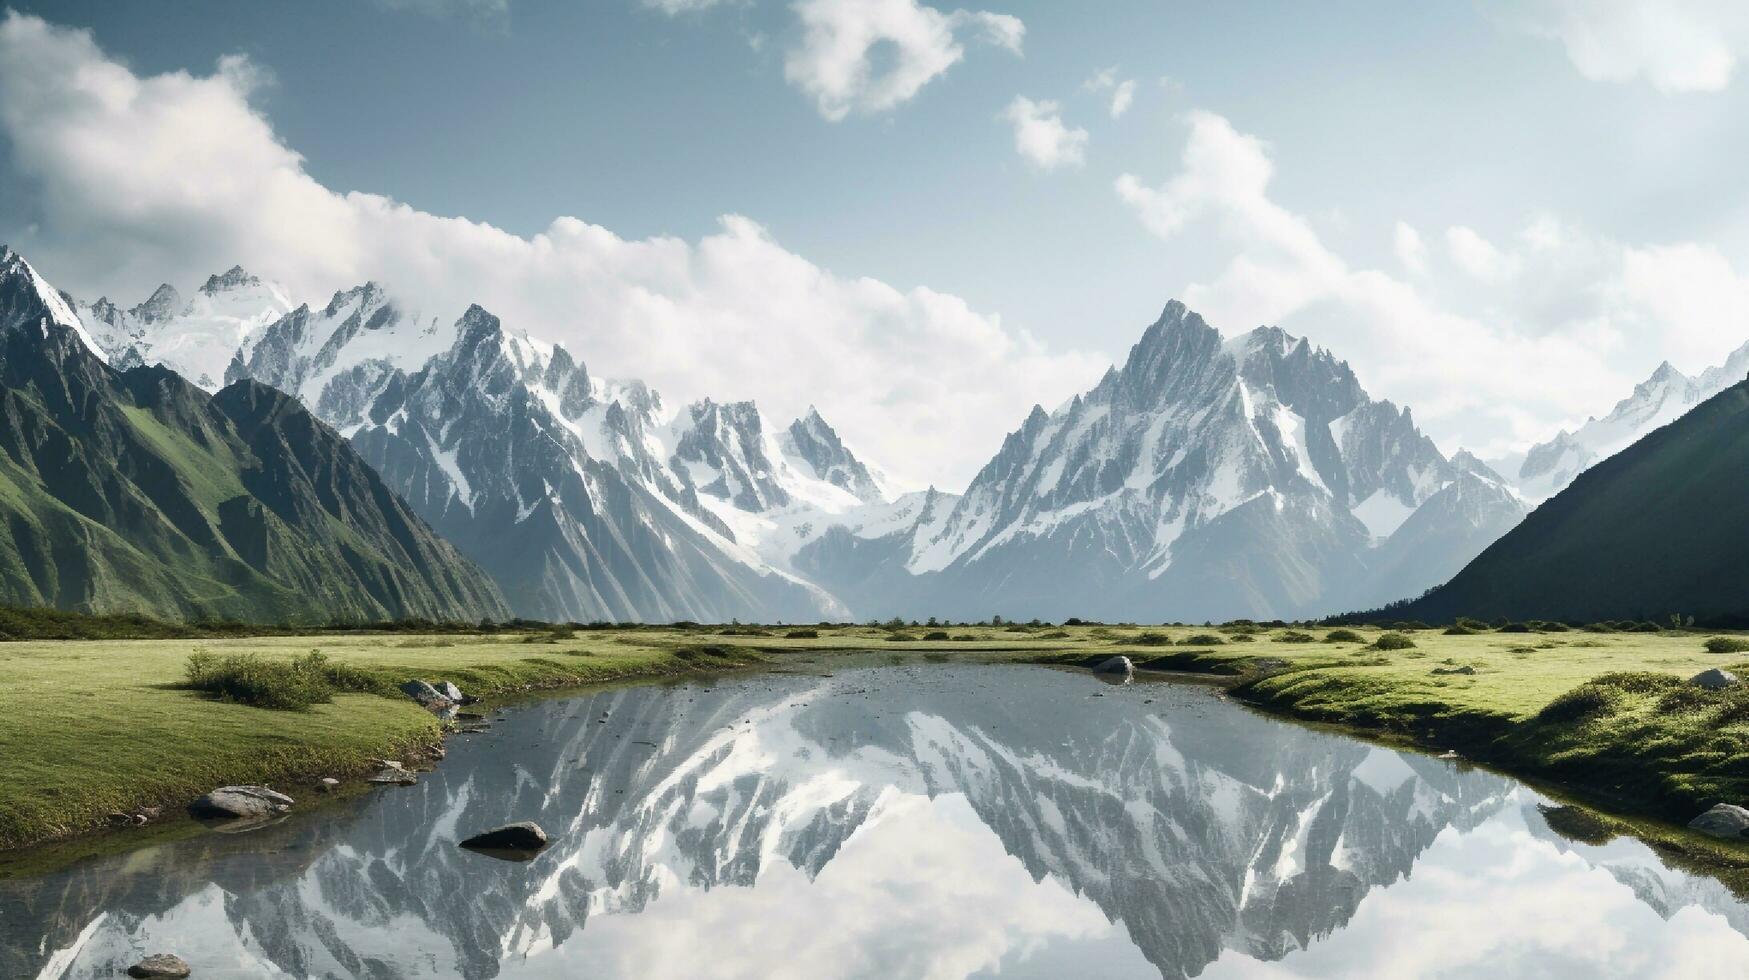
(198,338)
(17,275)
(1667,394)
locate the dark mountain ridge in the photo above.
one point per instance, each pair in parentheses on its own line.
(136,491)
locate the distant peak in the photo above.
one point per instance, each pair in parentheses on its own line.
(164,302)
(232,278)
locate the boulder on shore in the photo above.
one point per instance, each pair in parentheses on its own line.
(1723,820)
(523,836)
(451,692)
(159,965)
(425,694)
(1714,679)
(240,802)
(1115,665)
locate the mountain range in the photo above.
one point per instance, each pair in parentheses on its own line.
(135,491)
(1548,467)
(1201,479)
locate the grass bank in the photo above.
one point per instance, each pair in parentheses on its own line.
(100,726)
(96,727)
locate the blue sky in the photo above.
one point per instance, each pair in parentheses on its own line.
(1463,199)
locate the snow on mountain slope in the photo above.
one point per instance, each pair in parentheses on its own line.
(198,338)
(1547,468)
(1204,478)
(60,311)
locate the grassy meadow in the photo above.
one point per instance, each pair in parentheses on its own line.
(108,725)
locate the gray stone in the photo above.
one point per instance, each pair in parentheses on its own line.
(159,965)
(1723,820)
(392,776)
(1714,679)
(523,836)
(450,691)
(327,784)
(1115,665)
(245,802)
(425,694)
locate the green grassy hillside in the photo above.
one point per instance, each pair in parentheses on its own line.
(1659,529)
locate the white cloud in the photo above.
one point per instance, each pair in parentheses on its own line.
(1041,137)
(1122,97)
(1410,249)
(835,61)
(175,176)
(1477,256)
(1123,91)
(1675,45)
(1474,363)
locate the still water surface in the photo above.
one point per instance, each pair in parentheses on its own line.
(894,821)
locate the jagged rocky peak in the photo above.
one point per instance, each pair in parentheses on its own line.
(811,440)
(1310,380)
(568,378)
(1171,358)
(165,302)
(368,297)
(1464,461)
(233,278)
(720,449)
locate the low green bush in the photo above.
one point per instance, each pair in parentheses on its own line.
(1201,640)
(1516,628)
(802,635)
(1154,640)
(1343,636)
(1392,641)
(1727,644)
(1295,636)
(1460,630)
(289,685)
(942,635)
(1581,703)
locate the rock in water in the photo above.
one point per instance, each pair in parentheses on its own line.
(159,965)
(1723,820)
(524,837)
(451,692)
(1714,679)
(240,802)
(1116,665)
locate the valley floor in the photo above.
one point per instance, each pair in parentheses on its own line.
(98,727)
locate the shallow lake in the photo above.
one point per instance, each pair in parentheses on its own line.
(900,821)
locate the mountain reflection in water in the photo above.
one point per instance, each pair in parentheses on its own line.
(930,821)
